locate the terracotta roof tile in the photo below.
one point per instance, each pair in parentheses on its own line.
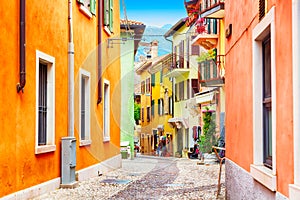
(130,22)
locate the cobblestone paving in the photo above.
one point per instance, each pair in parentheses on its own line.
(149,178)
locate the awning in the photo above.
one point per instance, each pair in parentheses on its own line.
(208,97)
(124,144)
(205,96)
(178,122)
(160,127)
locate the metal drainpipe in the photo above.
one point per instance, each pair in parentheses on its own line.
(99,53)
(70,74)
(172,61)
(21,85)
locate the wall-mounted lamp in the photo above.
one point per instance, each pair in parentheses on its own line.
(229,31)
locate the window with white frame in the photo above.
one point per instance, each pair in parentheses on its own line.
(166,100)
(106,111)
(84,107)
(264,102)
(45,103)
(160,106)
(88,7)
(142,114)
(108,15)
(170,105)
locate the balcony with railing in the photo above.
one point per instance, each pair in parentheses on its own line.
(212,72)
(177,67)
(206,33)
(212,9)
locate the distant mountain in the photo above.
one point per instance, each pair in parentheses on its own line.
(167,26)
(155,33)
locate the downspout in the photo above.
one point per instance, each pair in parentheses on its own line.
(70,74)
(21,85)
(99,53)
(172,61)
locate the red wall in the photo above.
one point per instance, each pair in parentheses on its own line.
(239,124)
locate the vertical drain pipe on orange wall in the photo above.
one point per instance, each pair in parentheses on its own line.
(21,85)
(70,73)
(99,60)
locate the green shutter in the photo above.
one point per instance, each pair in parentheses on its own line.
(80,1)
(152,107)
(158,106)
(111,15)
(208,26)
(93,6)
(215,26)
(152,80)
(106,12)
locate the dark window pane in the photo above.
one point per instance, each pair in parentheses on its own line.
(42,126)
(267,67)
(267,103)
(188,89)
(82,108)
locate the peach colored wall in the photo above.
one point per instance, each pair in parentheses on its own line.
(239,123)
(284,98)
(85,43)
(47,31)
(8,97)
(238,84)
(18,162)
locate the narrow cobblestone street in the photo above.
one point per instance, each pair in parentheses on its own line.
(148,177)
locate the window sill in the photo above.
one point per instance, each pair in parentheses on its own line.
(106,139)
(85,11)
(45,149)
(294,191)
(264,175)
(85,143)
(106,29)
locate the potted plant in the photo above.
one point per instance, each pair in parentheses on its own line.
(208,138)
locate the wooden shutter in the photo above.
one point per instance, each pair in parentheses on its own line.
(208,26)
(152,80)
(262,9)
(158,106)
(181,54)
(152,107)
(195,48)
(214,26)
(175,57)
(195,86)
(162,106)
(111,15)
(106,12)
(188,88)
(93,6)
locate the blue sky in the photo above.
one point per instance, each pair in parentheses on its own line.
(154,12)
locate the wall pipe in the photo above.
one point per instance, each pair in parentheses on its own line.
(99,63)
(70,73)
(172,61)
(21,85)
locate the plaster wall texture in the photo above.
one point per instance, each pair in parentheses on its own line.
(241,185)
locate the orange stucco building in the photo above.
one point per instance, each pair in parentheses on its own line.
(262,86)
(35,117)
